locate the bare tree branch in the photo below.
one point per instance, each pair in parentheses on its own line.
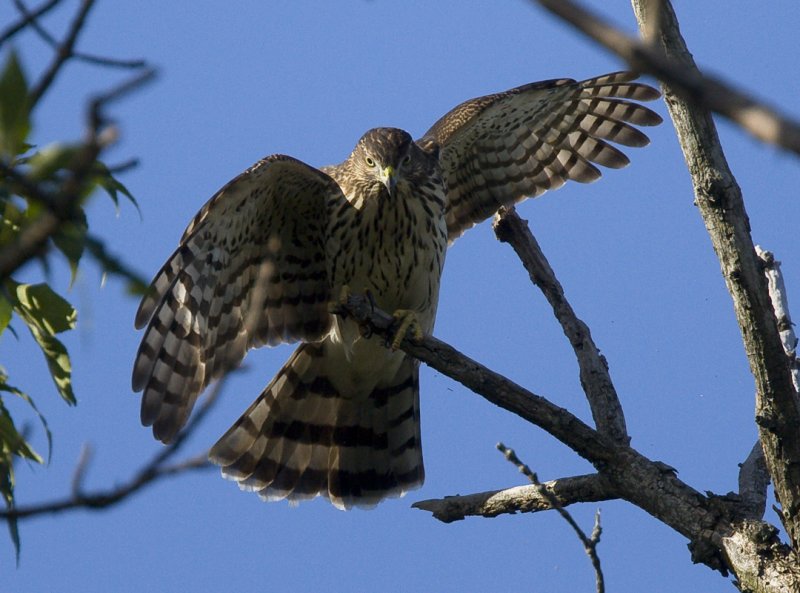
(105,498)
(29,17)
(753,474)
(595,379)
(63,53)
(720,203)
(32,20)
(124,166)
(589,542)
(519,499)
(494,387)
(99,102)
(758,119)
(718,537)
(155,469)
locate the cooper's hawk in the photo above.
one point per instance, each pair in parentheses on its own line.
(264,258)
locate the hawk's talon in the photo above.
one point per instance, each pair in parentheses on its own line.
(406,320)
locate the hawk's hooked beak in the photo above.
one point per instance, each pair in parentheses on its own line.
(389,179)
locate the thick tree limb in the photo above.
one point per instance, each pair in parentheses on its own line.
(753,473)
(519,499)
(595,379)
(502,392)
(758,119)
(712,524)
(630,473)
(719,201)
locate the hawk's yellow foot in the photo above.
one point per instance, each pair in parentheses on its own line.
(406,320)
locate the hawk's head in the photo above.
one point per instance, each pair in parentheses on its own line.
(387,157)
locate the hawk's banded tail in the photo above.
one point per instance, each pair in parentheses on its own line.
(302,438)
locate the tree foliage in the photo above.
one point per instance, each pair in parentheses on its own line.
(43,194)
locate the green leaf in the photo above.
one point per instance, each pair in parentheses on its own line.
(45,163)
(113,186)
(49,311)
(12,443)
(71,240)
(46,314)
(14,108)
(58,362)
(5,387)
(5,312)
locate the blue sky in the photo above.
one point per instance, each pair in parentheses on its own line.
(242,80)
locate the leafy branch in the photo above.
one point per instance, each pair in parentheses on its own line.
(43,194)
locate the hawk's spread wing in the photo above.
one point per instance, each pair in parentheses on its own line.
(496,150)
(249,270)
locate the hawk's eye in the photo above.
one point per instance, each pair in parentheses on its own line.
(370,161)
(407,159)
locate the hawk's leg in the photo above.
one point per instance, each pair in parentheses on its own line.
(406,320)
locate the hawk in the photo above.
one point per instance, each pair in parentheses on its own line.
(265,257)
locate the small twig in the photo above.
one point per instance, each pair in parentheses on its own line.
(124,166)
(27,19)
(64,53)
(589,542)
(105,498)
(45,35)
(760,120)
(81,467)
(102,100)
(153,470)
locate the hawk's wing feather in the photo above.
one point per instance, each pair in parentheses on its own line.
(498,149)
(250,270)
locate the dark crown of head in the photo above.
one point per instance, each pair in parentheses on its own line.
(386,142)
